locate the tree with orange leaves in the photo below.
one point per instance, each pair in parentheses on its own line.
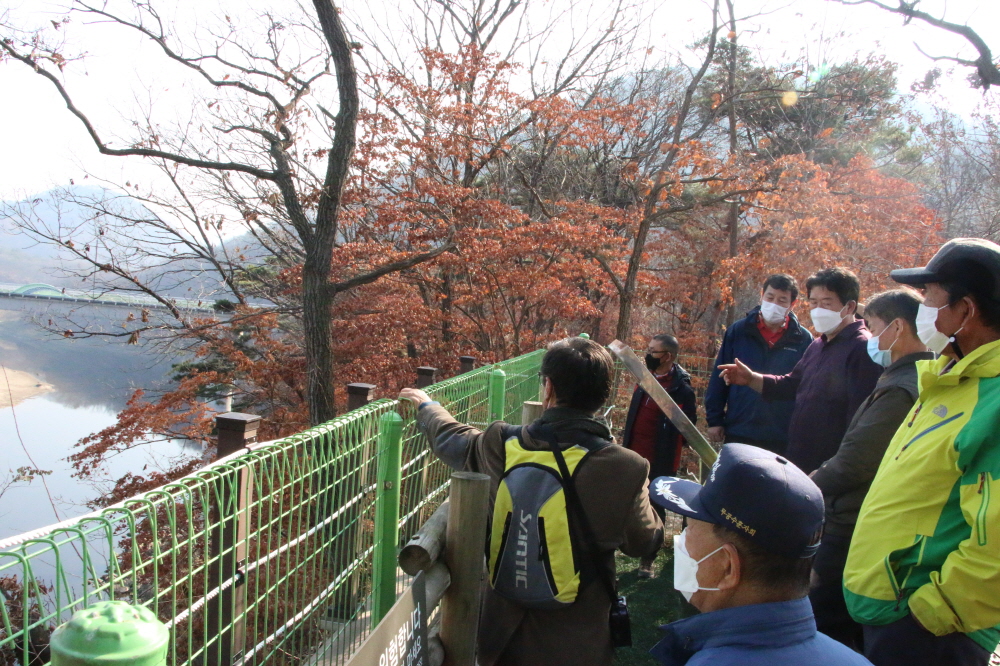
(486,217)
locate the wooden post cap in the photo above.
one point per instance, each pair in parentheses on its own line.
(426,375)
(359,394)
(237,422)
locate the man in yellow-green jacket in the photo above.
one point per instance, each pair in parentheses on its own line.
(923,571)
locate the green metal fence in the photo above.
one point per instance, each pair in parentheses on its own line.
(280,553)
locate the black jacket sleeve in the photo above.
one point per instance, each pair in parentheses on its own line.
(860,453)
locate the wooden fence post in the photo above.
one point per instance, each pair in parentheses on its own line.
(464,555)
(345,537)
(359,395)
(530,410)
(426,376)
(466,364)
(226,624)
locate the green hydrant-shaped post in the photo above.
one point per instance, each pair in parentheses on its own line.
(390,450)
(498,398)
(111,633)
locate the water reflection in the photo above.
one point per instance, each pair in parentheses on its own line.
(92,372)
(93,379)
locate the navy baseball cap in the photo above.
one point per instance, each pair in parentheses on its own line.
(755,493)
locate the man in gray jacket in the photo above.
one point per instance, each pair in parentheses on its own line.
(846,477)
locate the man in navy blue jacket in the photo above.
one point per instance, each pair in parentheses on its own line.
(770,340)
(744,561)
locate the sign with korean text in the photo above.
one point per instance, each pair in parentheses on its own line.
(400,639)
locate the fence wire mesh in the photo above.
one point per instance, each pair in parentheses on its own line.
(262,557)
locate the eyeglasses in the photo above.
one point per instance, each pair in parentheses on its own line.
(653,351)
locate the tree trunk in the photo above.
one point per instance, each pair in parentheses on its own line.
(316,326)
(734,208)
(317,294)
(626,296)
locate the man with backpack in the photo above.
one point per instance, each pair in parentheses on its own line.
(564,497)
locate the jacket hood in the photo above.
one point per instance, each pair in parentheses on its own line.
(983,361)
(680,373)
(755,626)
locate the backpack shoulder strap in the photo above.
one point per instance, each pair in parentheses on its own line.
(574,504)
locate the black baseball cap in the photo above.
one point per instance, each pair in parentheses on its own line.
(951,264)
(755,493)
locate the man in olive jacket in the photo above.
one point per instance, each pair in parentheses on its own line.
(611,485)
(846,477)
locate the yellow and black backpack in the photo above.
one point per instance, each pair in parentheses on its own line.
(535,557)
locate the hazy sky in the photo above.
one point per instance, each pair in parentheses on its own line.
(45,146)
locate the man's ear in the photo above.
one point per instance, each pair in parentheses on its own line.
(733,571)
(972,310)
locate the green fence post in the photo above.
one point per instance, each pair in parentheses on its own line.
(498,398)
(111,633)
(390,450)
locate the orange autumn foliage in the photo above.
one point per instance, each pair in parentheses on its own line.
(540,250)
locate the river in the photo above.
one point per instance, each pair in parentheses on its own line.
(92,379)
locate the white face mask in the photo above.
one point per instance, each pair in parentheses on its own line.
(927,330)
(686,568)
(772,312)
(825,320)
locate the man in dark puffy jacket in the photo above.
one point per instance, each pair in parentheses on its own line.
(846,477)
(770,340)
(648,431)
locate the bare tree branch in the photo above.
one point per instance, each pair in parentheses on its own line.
(393,267)
(986,67)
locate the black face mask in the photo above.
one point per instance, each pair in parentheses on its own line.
(652,362)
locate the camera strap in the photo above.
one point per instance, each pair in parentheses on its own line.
(569,488)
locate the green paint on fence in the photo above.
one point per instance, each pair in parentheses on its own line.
(309,580)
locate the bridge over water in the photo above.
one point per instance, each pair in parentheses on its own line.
(46,292)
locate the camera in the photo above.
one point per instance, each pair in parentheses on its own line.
(620,624)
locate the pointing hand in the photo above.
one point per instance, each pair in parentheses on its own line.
(737,374)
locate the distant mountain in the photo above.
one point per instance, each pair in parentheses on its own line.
(24,260)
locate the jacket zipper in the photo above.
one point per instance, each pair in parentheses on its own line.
(984,490)
(900,588)
(927,430)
